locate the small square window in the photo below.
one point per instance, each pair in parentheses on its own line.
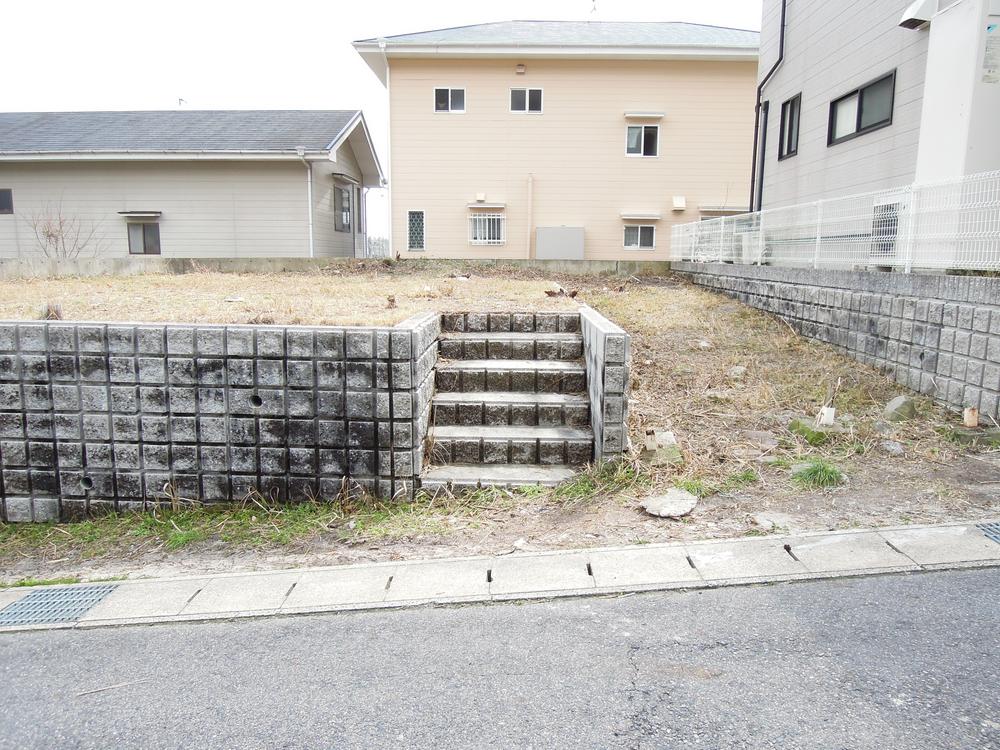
(642,140)
(6,201)
(415,230)
(143,238)
(449,100)
(640,236)
(526,100)
(788,144)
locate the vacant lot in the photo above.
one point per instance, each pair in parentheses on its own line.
(725,379)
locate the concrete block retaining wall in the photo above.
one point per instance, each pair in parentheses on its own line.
(607,351)
(123,416)
(936,334)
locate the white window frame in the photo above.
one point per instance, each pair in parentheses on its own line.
(638,237)
(415,249)
(643,140)
(449,111)
(527,96)
(475,216)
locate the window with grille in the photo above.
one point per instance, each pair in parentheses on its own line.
(487,228)
(342,209)
(143,238)
(449,100)
(526,100)
(640,236)
(642,140)
(415,230)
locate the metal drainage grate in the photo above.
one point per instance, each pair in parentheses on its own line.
(992,530)
(55,604)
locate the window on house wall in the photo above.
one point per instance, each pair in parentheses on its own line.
(867,108)
(788,144)
(6,201)
(526,100)
(143,238)
(449,100)
(640,236)
(342,208)
(415,230)
(642,140)
(487,228)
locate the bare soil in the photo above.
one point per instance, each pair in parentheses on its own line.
(723,377)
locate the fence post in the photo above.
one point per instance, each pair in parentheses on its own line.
(760,237)
(911,210)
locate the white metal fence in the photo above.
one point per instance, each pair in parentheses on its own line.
(941,225)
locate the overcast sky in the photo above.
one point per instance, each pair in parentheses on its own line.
(294,54)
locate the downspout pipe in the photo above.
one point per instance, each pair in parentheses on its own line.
(755,197)
(309,197)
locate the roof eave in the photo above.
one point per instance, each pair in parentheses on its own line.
(374,54)
(164,155)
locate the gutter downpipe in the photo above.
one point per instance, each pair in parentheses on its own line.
(309,198)
(755,194)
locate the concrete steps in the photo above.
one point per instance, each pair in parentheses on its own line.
(511,405)
(502,345)
(487,444)
(502,408)
(520,375)
(458,477)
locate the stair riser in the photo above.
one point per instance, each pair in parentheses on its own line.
(494,414)
(538,349)
(501,451)
(518,381)
(511,322)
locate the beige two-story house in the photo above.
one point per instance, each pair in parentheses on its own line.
(568,140)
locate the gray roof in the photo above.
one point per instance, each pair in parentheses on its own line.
(172,130)
(582,33)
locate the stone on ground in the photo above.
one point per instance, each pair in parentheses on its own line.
(892,448)
(661,449)
(900,409)
(814,434)
(674,504)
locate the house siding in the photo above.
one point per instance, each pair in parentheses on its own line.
(831,49)
(209,209)
(328,241)
(574,152)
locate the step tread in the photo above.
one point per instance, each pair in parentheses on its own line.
(509,336)
(499,474)
(510,397)
(512,364)
(510,432)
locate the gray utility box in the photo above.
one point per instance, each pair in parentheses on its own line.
(559,243)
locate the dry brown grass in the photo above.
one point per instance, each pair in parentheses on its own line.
(342,294)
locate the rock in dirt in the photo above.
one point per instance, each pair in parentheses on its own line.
(674,504)
(814,434)
(900,409)
(660,449)
(737,372)
(893,448)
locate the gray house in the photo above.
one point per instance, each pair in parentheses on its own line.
(194,184)
(874,94)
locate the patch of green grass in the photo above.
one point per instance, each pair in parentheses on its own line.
(40,582)
(608,478)
(804,429)
(818,473)
(740,479)
(697,487)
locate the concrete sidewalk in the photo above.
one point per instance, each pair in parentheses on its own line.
(516,576)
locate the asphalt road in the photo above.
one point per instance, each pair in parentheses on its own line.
(907,661)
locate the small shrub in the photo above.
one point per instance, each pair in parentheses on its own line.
(818,473)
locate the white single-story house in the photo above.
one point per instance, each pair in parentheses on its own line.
(184,184)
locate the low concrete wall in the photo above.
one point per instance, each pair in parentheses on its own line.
(125,416)
(936,334)
(607,352)
(130,266)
